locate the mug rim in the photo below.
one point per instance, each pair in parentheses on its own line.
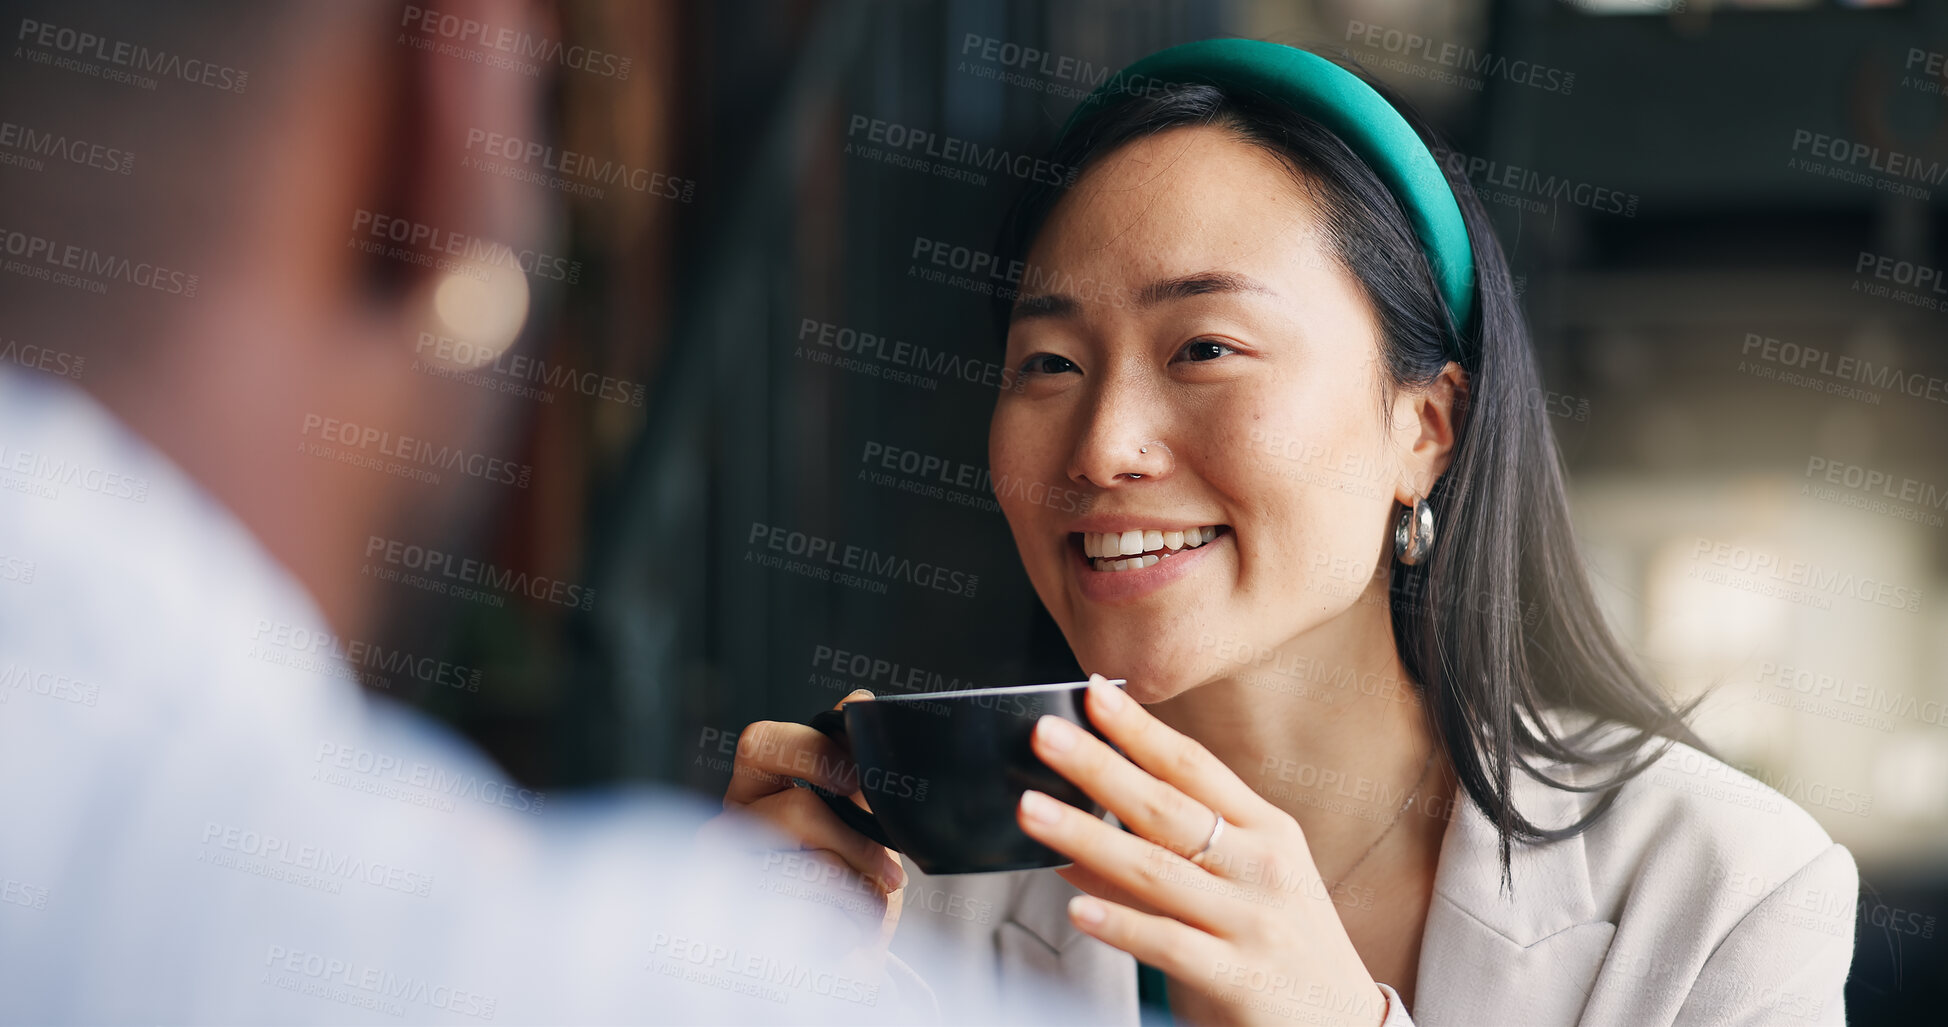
(1003,690)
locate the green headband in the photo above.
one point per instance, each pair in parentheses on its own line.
(1336,98)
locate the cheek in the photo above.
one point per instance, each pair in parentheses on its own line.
(1025,460)
(1011,441)
(1313,487)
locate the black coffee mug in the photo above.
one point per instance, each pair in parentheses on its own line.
(944,772)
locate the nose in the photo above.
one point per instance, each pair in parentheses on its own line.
(1121,443)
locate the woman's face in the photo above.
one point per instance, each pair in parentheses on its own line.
(1183,299)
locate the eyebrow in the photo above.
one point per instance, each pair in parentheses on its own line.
(1203,283)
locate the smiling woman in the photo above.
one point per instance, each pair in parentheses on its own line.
(1385,762)
(1285,337)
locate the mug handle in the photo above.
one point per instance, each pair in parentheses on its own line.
(831,724)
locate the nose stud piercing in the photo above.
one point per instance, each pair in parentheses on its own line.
(1145,451)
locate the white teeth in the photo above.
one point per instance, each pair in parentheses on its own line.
(1144,548)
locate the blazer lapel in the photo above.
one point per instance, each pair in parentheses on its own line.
(1530,957)
(1038,937)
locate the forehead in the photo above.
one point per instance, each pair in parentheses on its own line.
(1183,200)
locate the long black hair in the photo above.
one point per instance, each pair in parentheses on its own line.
(1499,628)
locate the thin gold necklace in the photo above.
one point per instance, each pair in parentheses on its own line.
(1391,824)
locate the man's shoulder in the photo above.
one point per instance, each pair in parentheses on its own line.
(129,571)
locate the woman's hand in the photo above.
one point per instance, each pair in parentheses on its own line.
(1247,928)
(769,755)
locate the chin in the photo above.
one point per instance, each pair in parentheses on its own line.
(1154,674)
(1156,688)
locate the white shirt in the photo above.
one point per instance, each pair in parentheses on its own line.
(202,822)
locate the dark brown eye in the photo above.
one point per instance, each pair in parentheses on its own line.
(1203,350)
(1047,363)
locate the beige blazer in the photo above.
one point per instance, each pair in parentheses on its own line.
(1702,897)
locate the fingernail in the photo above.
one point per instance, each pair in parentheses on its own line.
(895,874)
(1040,808)
(1087,909)
(1056,733)
(1111,697)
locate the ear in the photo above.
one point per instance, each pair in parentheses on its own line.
(1425,421)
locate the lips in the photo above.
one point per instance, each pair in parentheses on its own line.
(1117,551)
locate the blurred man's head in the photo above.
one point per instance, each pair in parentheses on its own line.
(252,219)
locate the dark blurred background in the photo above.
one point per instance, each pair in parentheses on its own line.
(1726,222)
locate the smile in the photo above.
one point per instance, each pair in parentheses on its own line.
(1114,551)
